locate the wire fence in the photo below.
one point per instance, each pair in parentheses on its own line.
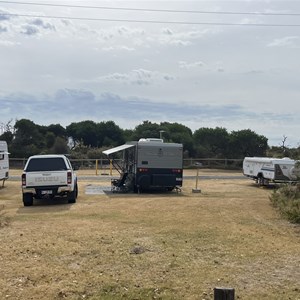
(104,164)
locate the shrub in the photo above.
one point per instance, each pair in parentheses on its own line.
(287,200)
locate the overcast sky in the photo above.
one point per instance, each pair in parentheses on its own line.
(198,73)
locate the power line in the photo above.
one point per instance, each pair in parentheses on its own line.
(151,21)
(152,10)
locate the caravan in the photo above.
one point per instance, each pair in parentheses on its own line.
(265,169)
(4,163)
(147,164)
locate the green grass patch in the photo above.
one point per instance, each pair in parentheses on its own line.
(287,200)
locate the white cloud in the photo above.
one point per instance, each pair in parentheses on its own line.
(8,43)
(29,30)
(181,37)
(186,65)
(3,29)
(250,21)
(285,41)
(137,77)
(4,15)
(118,48)
(167,31)
(41,23)
(74,96)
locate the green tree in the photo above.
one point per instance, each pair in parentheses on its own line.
(178,133)
(7,136)
(247,143)
(28,139)
(60,146)
(57,130)
(109,134)
(85,131)
(146,130)
(211,142)
(128,135)
(49,139)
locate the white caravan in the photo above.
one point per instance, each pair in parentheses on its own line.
(4,163)
(265,169)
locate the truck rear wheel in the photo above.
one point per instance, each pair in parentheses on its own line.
(73,195)
(27,199)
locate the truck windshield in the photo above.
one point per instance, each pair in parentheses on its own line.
(46,164)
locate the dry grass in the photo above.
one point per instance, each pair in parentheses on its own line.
(149,246)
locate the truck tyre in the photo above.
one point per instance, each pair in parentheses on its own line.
(27,199)
(73,195)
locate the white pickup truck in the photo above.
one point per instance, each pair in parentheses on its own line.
(48,176)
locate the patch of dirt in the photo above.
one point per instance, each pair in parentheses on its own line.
(149,246)
(4,220)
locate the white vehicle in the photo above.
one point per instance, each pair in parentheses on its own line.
(4,163)
(265,169)
(47,176)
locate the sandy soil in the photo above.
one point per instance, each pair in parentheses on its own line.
(148,246)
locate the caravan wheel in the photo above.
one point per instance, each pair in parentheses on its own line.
(261,180)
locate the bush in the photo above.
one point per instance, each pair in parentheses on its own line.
(287,200)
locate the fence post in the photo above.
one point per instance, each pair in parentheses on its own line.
(223,293)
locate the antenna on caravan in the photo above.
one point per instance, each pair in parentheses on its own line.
(161,134)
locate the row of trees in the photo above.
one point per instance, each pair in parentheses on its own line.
(87,139)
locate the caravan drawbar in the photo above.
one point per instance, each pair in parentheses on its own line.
(147,164)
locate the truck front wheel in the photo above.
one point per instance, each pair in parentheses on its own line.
(27,199)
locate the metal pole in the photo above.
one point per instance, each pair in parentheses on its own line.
(197,176)
(110,167)
(196,190)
